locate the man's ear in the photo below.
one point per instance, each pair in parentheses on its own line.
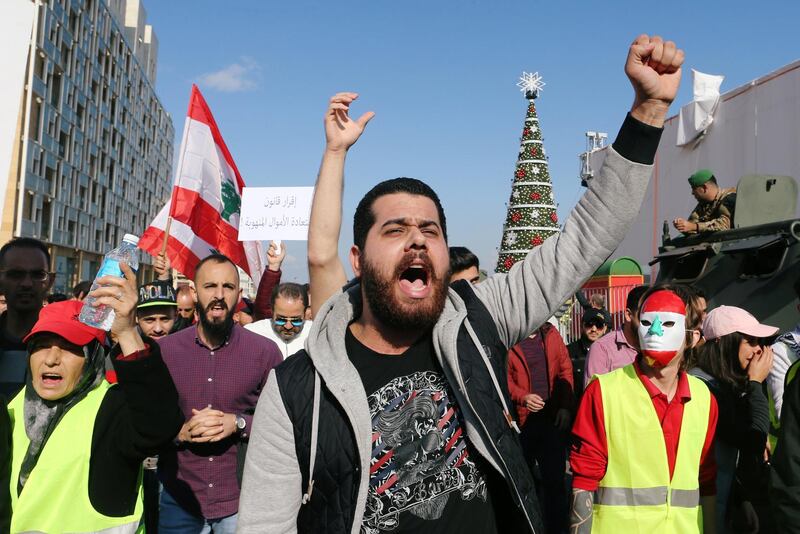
(355,260)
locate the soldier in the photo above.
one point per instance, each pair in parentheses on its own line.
(714,209)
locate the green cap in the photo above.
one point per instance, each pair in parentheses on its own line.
(700,177)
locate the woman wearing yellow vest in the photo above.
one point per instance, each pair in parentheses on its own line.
(642,457)
(79,442)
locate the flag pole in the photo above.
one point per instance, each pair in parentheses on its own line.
(166,236)
(177,179)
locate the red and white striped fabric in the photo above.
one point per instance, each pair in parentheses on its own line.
(205,203)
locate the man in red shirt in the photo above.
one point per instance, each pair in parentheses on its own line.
(599,429)
(540,384)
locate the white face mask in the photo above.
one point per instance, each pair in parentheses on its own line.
(662,328)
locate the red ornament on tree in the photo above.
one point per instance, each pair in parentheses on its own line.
(536,241)
(535,196)
(520,173)
(516,217)
(554,217)
(526,131)
(508,263)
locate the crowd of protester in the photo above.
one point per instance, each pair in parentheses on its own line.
(420,396)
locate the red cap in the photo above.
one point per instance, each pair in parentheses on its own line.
(61,318)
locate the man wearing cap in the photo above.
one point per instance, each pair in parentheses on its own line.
(155,315)
(78,441)
(594,325)
(156,310)
(618,348)
(642,456)
(714,209)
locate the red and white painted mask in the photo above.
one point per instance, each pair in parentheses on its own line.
(662,327)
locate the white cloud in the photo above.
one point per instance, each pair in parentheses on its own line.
(235,78)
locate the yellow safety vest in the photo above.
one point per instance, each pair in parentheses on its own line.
(56,496)
(636,494)
(774,420)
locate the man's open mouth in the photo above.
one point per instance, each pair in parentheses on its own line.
(218,309)
(414,281)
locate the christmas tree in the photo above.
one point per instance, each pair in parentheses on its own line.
(531,214)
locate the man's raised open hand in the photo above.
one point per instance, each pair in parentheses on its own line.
(341,131)
(654,69)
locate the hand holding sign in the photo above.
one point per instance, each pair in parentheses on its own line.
(275,255)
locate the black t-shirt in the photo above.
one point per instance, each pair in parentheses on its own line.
(13,362)
(424,476)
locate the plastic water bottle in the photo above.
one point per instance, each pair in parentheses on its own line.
(103,316)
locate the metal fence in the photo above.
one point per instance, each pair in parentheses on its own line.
(615,298)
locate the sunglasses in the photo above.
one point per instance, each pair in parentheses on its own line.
(296,321)
(597,324)
(19,275)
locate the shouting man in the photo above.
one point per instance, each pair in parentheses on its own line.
(409,425)
(219,371)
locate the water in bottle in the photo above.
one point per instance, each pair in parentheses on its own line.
(102,316)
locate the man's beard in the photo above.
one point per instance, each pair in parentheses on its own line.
(284,335)
(385,305)
(216,330)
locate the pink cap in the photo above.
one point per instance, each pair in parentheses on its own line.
(725,320)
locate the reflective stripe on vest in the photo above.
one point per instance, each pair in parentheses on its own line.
(646,497)
(636,494)
(56,495)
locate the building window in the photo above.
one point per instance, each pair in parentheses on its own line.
(27,206)
(35,126)
(55,90)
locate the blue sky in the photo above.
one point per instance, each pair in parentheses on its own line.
(441,77)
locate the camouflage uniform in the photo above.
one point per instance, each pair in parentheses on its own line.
(715,215)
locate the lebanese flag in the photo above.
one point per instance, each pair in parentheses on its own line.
(205,203)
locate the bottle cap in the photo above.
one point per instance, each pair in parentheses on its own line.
(130,238)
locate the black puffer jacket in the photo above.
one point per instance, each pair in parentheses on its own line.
(337,466)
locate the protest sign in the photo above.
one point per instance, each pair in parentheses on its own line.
(275,213)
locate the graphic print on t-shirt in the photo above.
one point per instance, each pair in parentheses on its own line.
(419,454)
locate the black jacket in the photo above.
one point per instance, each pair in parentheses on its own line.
(785,473)
(337,468)
(137,417)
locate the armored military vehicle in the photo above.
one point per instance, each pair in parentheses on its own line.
(753,265)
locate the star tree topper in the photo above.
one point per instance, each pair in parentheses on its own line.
(531,84)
